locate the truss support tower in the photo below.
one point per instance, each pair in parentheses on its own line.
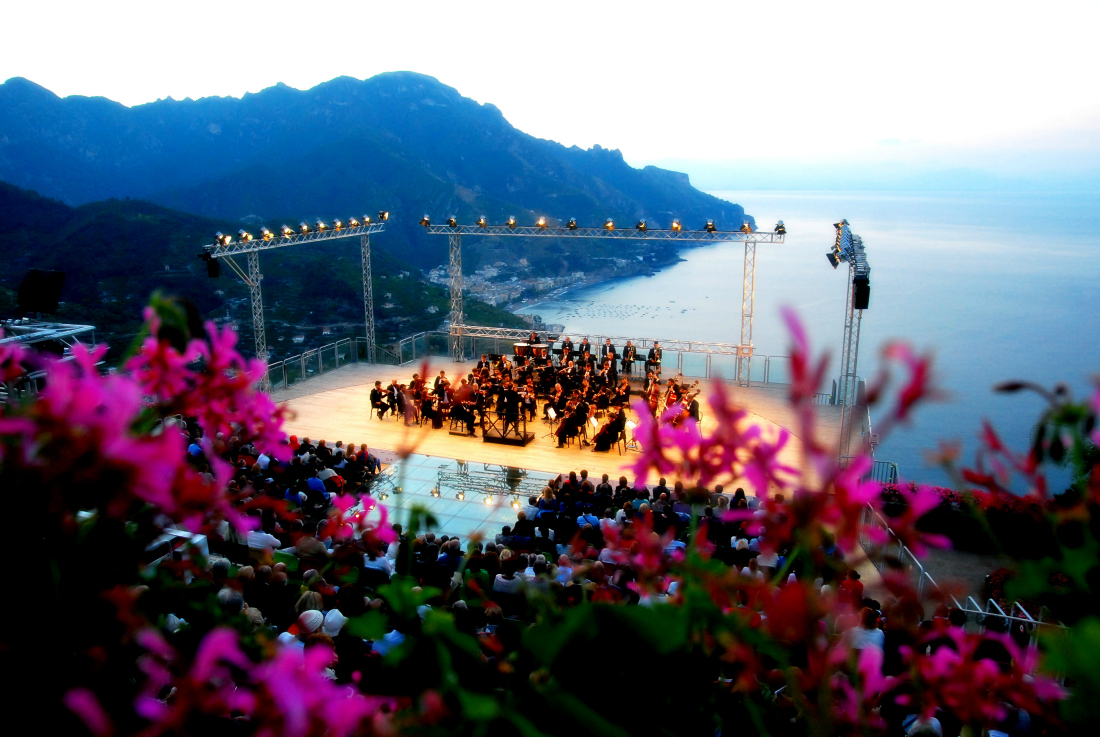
(454,243)
(254,279)
(748,294)
(368,296)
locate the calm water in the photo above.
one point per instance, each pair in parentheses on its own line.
(999,286)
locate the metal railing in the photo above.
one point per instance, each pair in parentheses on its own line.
(317,361)
(899,555)
(696,363)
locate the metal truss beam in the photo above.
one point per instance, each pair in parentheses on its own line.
(368,295)
(678,346)
(488,483)
(850,248)
(218,250)
(454,249)
(32,331)
(622,233)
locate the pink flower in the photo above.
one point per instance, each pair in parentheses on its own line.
(85,705)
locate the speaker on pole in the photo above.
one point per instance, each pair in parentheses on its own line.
(861,292)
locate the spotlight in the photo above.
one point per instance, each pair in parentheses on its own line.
(641,226)
(265,234)
(511,221)
(839,225)
(353,223)
(244,236)
(367,220)
(572,223)
(435,491)
(460,495)
(222,240)
(287,231)
(675,227)
(515,503)
(833,260)
(425,221)
(383,496)
(541,223)
(303,227)
(488,501)
(780,228)
(321,226)
(482,222)
(709,227)
(336,225)
(452,222)
(746,228)
(383,215)
(609,225)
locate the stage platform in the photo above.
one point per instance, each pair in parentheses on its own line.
(336,406)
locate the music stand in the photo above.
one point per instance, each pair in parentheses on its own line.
(553,415)
(631,425)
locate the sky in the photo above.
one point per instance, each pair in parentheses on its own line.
(771,94)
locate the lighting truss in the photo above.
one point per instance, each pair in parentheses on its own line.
(504,483)
(32,331)
(454,232)
(251,276)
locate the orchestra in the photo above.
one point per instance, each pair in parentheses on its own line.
(579,382)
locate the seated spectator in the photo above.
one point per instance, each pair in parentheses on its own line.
(507,582)
(505,537)
(866,633)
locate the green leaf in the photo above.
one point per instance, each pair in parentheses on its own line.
(372,625)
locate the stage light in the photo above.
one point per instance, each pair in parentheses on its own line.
(244,236)
(287,231)
(515,503)
(321,226)
(425,221)
(609,225)
(452,222)
(383,496)
(383,215)
(839,225)
(780,228)
(488,501)
(746,228)
(833,260)
(641,226)
(709,227)
(460,495)
(435,491)
(572,223)
(511,221)
(336,225)
(367,220)
(482,222)
(353,223)
(675,227)
(541,223)
(265,234)
(222,240)
(303,227)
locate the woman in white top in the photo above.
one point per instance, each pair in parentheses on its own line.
(507,582)
(866,633)
(381,562)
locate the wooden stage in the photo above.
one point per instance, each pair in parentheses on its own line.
(336,406)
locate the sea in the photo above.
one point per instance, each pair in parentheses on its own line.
(995,286)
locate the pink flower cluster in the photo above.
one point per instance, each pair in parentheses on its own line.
(287,694)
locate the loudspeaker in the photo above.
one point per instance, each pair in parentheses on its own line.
(213,265)
(861,292)
(39,292)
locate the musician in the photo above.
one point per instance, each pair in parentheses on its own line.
(571,421)
(693,407)
(567,349)
(529,402)
(509,404)
(629,354)
(653,361)
(622,393)
(607,350)
(650,380)
(584,347)
(395,397)
(653,395)
(376,400)
(463,411)
(526,371)
(534,339)
(557,400)
(483,363)
(609,433)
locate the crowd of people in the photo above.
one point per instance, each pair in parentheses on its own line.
(581,386)
(566,545)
